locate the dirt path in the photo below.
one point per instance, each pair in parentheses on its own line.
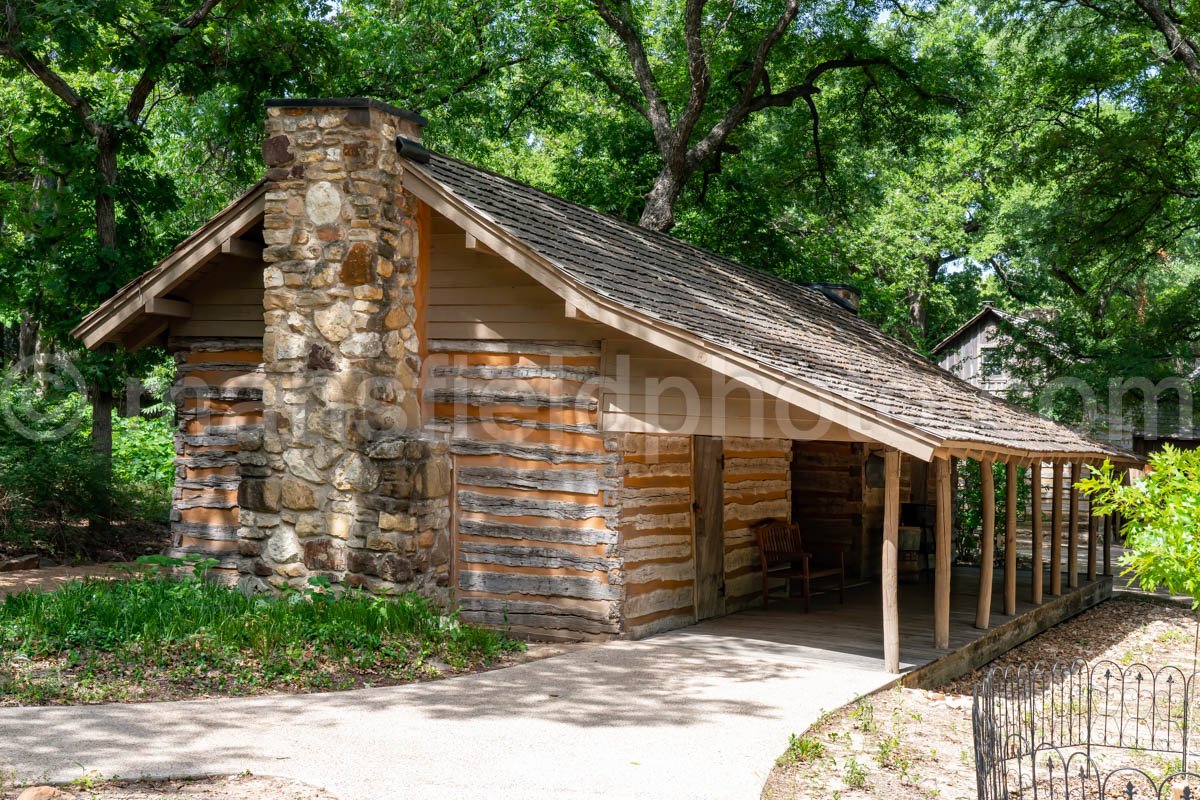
(49,578)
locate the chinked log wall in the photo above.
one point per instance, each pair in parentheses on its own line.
(218,396)
(537,485)
(656,533)
(757,487)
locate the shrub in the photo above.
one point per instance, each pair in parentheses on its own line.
(1161,514)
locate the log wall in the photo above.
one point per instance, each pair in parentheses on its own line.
(218,394)
(758,486)
(536,486)
(656,533)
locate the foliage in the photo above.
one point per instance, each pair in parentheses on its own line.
(801,749)
(49,478)
(152,636)
(1160,514)
(968,515)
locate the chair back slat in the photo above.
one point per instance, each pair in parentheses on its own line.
(776,539)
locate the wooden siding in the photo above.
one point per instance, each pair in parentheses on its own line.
(536,486)
(218,392)
(648,390)
(656,533)
(227,301)
(478,295)
(758,486)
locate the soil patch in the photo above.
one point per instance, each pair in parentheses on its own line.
(239,787)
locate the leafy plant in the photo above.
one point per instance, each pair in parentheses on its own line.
(801,749)
(856,774)
(1161,519)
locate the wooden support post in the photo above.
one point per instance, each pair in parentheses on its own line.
(891,561)
(1056,530)
(987,544)
(1108,537)
(1073,529)
(1011,476)
(1093,532)
(941,574)
(1035,506)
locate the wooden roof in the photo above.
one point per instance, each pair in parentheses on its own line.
(741,320)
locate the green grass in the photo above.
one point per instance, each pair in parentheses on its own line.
(151,638)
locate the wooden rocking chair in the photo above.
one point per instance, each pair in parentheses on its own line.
(782,554)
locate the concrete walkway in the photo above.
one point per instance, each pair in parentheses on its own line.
(690,714)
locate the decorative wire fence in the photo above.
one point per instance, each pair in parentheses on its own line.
(1074,731)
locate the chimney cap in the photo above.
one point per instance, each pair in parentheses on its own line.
(346,102)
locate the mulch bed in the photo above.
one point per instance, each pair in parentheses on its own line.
(910,743)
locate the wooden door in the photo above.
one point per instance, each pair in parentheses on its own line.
(708,511)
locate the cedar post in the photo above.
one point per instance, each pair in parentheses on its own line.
(1108,534)
(891,556)
(1056,526)
(1093,531)
(941,574)
(987,544)
(1035,503)
(1073,529)
(1011,476)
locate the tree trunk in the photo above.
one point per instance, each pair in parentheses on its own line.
(659,211)
(106,203)
(27,343)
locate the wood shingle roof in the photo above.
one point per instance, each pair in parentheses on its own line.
(791,329)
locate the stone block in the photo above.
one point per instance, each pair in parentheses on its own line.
(297,495)
(326,555)
(259,494)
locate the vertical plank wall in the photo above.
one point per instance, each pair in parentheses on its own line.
(757,486)
(656,533)
(218,392)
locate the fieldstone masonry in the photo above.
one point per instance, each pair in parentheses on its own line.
(352,490)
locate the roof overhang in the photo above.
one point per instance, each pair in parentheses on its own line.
(141,310)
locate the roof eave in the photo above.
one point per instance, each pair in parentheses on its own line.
(114,315)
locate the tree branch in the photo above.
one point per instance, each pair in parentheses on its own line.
(50,79)
(697,69)
(145,84)
(1180,46)
(656,108)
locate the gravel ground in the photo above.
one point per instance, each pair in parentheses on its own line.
(903,744)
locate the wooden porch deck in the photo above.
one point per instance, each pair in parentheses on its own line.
(852,635)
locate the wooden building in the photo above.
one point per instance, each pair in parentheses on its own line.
(405,372)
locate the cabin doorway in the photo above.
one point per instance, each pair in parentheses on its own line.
(708,519)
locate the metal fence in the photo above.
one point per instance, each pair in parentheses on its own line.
(1079,731)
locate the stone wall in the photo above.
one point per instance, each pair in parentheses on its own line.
(351,490)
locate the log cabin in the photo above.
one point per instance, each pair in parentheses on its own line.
(408,373)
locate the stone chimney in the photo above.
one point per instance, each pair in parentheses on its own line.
(354,491)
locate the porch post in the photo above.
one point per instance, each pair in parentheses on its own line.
(891,555)
(1093,531)
(941,573)
(1035,507)
(1108,534)
(1073,530)
(1056,526)
(1010,538)
(987,543)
